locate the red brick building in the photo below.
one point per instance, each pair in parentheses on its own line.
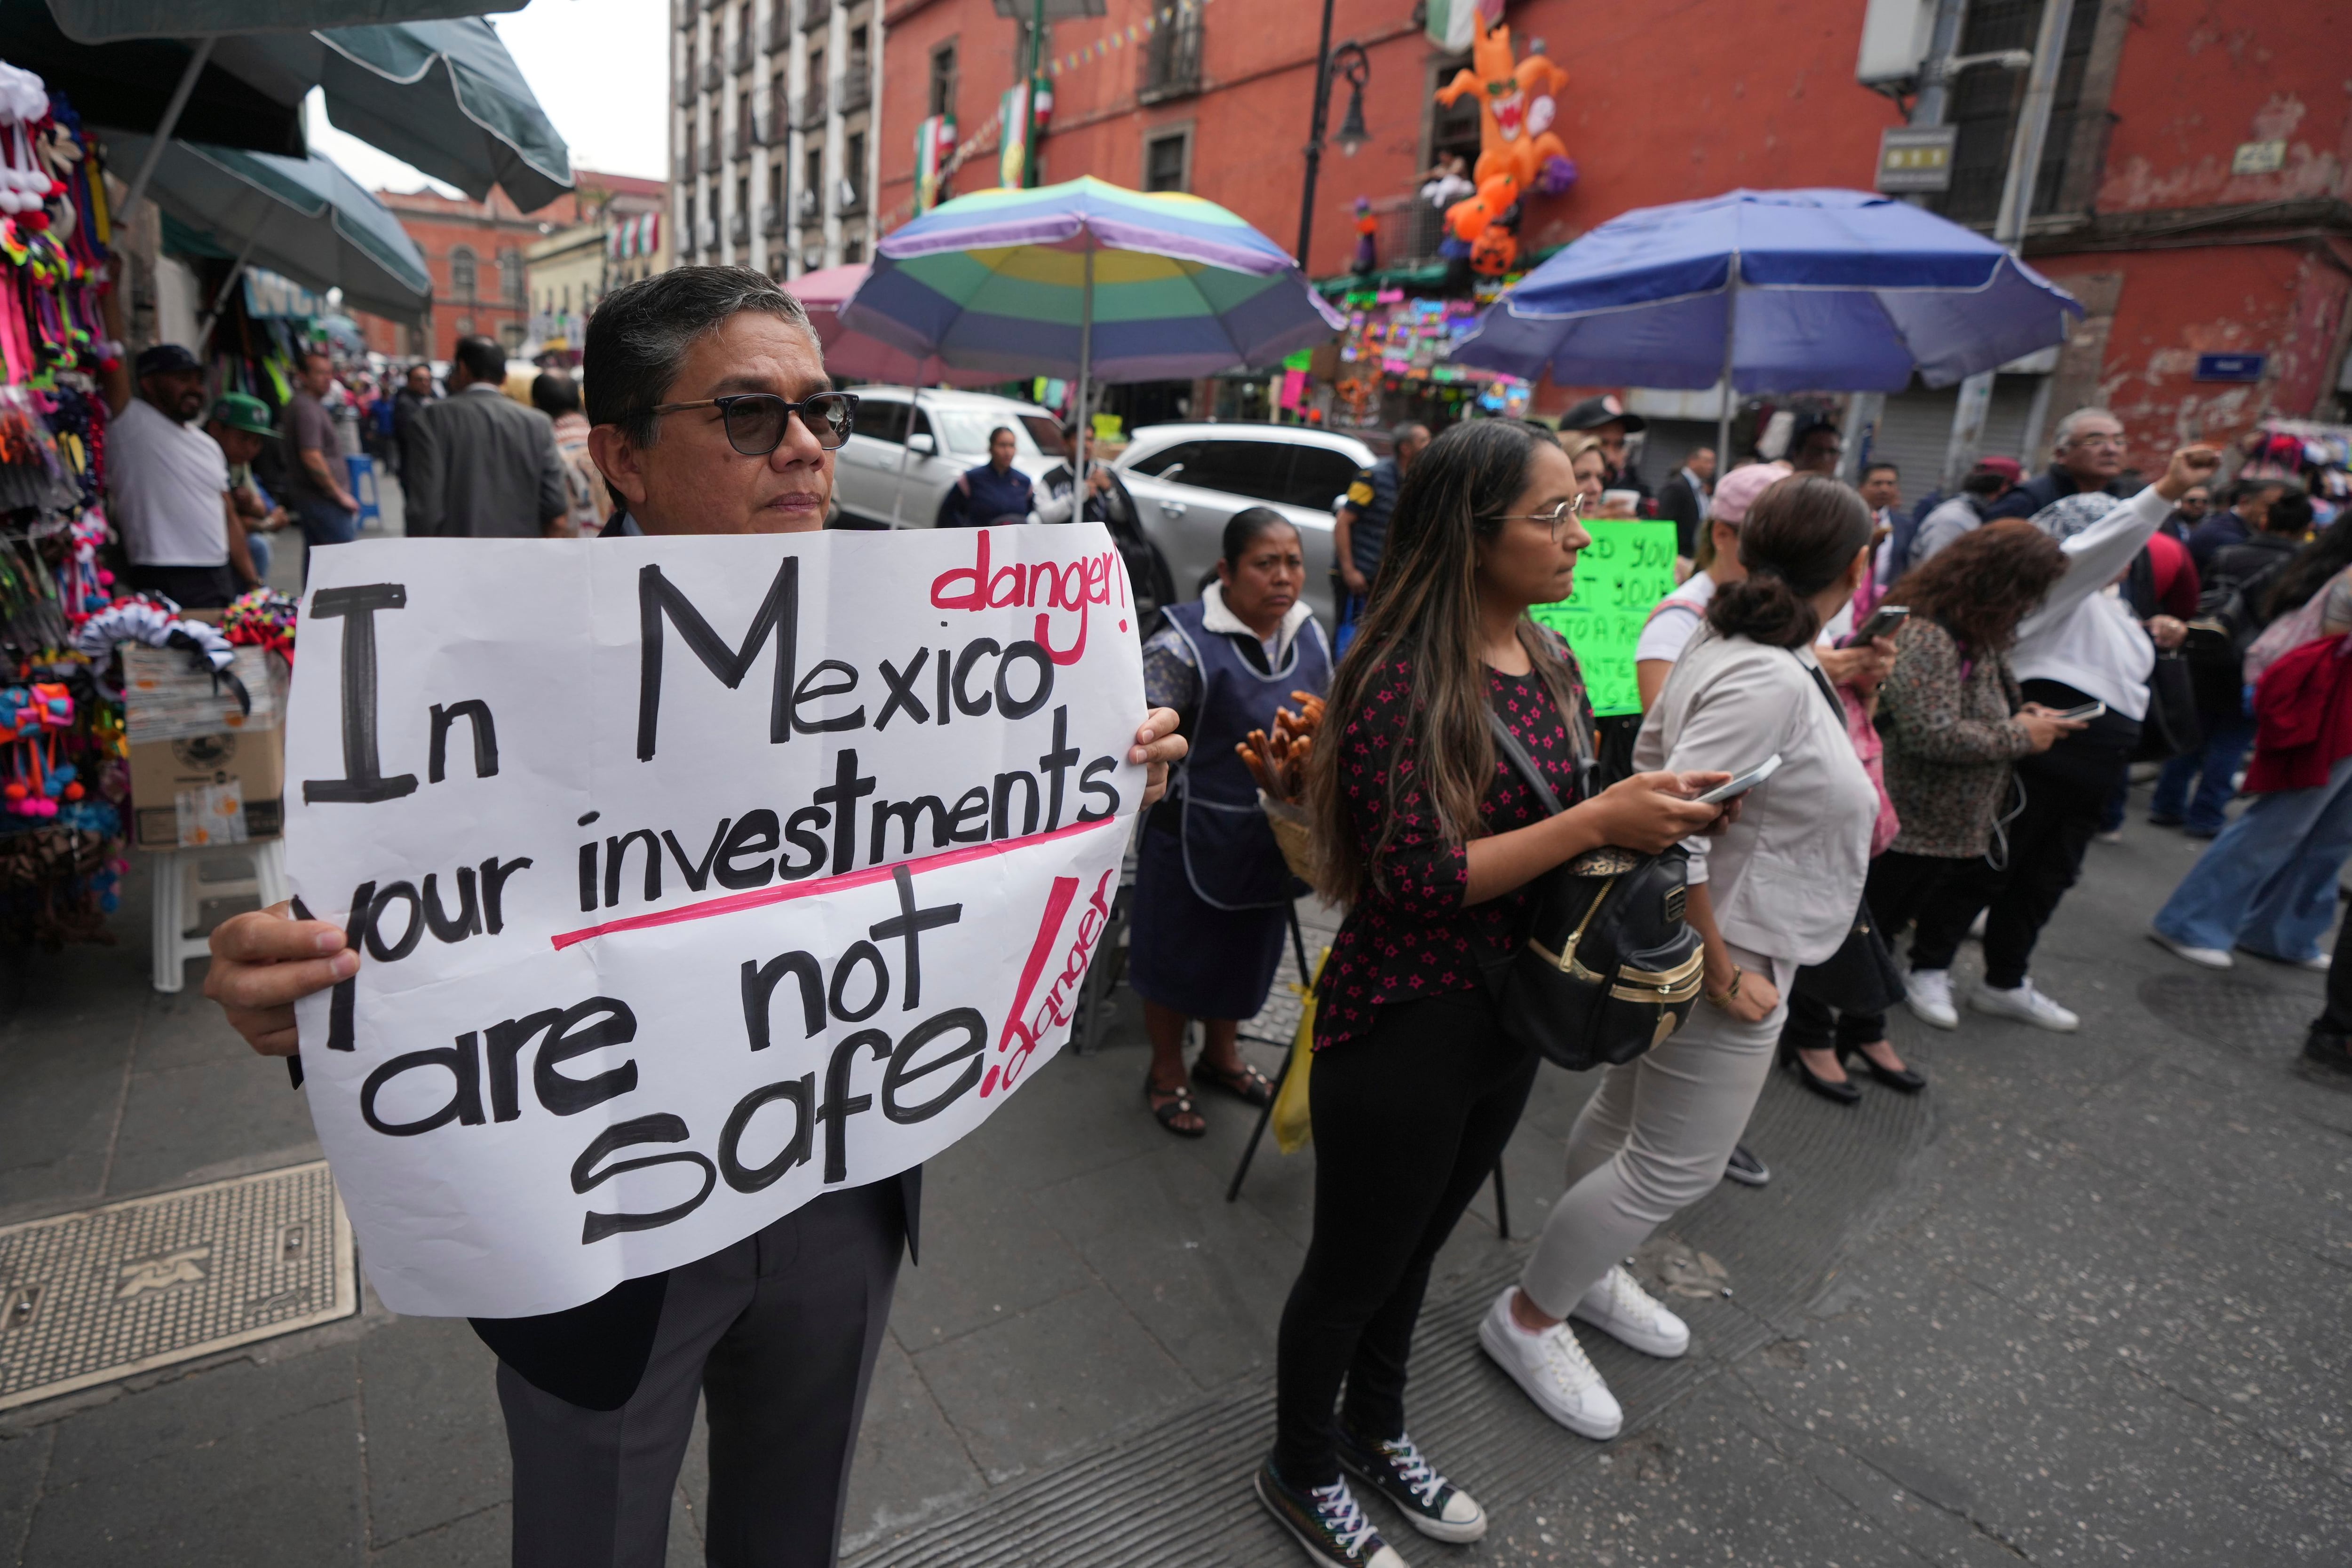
(2138,207)
(476,252)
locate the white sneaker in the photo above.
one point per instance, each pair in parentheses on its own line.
(2025,1004)
(1631,1315)
(2203,957)
(1552,1370)
(1929,993)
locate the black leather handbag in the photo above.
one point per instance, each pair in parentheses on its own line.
(1606,968)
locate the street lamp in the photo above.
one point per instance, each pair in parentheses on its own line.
(1350,61)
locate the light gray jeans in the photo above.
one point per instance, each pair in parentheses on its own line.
(1654,1140)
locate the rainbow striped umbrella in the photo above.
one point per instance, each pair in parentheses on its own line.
(1090,281)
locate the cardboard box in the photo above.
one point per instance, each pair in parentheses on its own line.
(203,770)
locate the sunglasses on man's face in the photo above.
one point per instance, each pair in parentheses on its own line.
(756,421)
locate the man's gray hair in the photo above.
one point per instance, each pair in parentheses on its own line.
(640,334)
(2063,437)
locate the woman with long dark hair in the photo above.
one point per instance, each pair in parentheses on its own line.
(1954,722)
(1430,838)
(1778,890)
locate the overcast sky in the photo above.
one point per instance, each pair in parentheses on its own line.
(601,70)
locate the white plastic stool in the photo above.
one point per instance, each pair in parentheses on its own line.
(180,888)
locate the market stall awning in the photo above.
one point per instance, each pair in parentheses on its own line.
(110,21)
(128,85)
(444,96)
(303,217)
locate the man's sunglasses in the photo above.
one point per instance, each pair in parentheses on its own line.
(756,421)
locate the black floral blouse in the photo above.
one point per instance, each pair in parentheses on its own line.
(1409,936)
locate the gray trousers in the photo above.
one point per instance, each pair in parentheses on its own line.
(780,1332)
(1653,1141)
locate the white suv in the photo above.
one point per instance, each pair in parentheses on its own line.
(1189,479)
(887,475)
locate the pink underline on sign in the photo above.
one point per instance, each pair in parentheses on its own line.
(736,902)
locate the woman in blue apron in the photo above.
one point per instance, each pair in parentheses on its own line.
(1212,892)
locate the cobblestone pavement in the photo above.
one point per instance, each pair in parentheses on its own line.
(2084,1302)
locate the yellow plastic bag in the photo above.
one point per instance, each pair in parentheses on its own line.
(1292,1126)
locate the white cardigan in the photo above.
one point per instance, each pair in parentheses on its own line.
(1786,879)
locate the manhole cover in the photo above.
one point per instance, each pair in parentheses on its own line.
(90,1297)
(2239,1016)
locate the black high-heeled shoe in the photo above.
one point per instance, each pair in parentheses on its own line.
(1844,1094)
(1909,1081)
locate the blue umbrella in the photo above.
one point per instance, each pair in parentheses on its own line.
(1773,291)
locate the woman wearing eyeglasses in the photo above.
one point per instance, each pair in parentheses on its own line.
(1430,838)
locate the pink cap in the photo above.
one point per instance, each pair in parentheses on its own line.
(1737,491)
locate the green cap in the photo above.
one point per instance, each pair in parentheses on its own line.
(242,410)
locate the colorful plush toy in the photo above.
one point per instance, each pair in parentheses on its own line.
(1515,109)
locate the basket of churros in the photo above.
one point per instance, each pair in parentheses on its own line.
(1278,760)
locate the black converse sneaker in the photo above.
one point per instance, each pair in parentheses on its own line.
(1435,1506)
(1326,1522)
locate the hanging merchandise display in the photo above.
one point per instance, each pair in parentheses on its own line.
(63,787)
(1519,154)
(1394,363)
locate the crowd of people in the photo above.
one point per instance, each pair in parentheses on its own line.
(1857,724)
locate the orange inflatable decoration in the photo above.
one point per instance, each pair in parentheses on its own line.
(1516,107)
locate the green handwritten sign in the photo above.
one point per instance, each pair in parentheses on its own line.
(1620,577)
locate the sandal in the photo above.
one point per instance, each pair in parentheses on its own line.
(1247,1084)
(1167,1105)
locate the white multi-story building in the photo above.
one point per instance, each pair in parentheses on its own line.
(773,131)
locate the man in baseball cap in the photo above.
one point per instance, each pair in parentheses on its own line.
(168,483)
(1607,419)
(1980,492)
(241,422)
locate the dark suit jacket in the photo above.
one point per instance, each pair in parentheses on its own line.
(480,465)
(1685,507)
(593,1354)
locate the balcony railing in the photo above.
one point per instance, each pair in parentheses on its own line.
(685,93)
(684,163)
(1408,230)
(738,146)
(1170,67)
(779,27)
(741,56)
(772,221)
(809,210)
(856,88)
(738,228)
(714,73)
(849,197)
(816,13)
(709,236)
(710,156)
(811,112)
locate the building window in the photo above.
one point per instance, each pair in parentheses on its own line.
(1167,161)
(852,251)
(853,168)
(512,285)
(1984,104)
(688,226)
(943,79)
(813,176)
(463,279)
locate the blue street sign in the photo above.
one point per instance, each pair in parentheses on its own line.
(2231,367)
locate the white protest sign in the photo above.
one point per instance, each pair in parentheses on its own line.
(693,878)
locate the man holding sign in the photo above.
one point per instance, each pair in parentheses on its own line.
(530,1113)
